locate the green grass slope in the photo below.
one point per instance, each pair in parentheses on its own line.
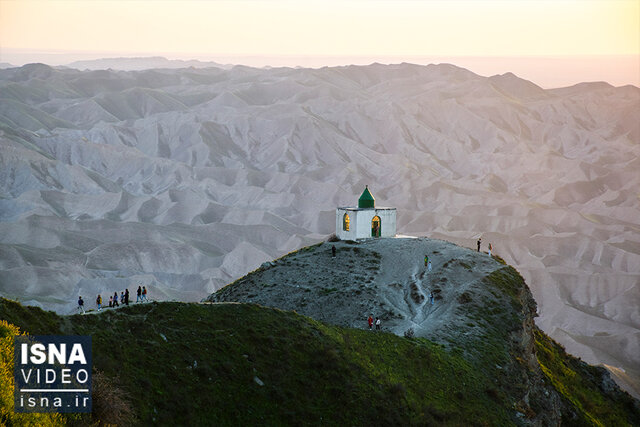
(243,364)
(589,389)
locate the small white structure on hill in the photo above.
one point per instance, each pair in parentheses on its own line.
(366,221)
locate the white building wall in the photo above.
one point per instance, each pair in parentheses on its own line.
(388,219)
(346,235)
(363,231)
(360,222)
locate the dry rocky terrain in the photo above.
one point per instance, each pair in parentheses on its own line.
(183,180)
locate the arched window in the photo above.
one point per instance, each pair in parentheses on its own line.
(376,226)
(345,222)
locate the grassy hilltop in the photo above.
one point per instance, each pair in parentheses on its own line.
(241,363)
(246,364)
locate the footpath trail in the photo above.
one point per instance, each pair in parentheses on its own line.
(385,278)
(454,271)
(94,309)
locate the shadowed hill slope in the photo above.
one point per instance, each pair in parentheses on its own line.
(230,364)
(482,308)
(385,278)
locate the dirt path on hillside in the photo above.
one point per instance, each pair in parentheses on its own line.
(454,271)
(384,278)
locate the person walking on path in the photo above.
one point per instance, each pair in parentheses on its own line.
(80,305)
(110,301)
(490,248)
(479,242)
(139,295)
(115,299)
(99,302)
(426,260)
(144,293)
(431,297)
(377,323)
(370,321)
(429,266)
(122,298)
(126,296)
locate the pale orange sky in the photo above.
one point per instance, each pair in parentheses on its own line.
(306,28)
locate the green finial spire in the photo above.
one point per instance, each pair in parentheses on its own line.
(366,200)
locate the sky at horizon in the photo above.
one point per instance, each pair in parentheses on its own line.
(549,42)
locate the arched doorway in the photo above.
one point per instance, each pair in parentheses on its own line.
(376,226)
(345,222)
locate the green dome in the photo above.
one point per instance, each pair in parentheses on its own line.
(366,200)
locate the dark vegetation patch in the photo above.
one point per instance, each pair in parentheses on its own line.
(197,364)
(464,298)
(499,259)
(493,317)
(582,386)
(327,291)
(416,295)
(333,238)
(507,281)
(45,322)
(465,265)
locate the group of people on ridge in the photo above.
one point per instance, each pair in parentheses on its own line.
(371,322)
(480,243)
(427,263)
(113,300)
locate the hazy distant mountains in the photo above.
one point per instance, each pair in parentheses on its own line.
(134,64)
(184,180)
(142,63)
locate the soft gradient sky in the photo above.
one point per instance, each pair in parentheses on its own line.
(291,32)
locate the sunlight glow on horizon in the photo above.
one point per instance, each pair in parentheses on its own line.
(332,28)
(277,27)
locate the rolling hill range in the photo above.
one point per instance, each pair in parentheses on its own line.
(184,180)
